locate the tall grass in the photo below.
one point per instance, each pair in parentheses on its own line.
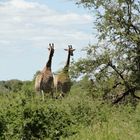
(75,117)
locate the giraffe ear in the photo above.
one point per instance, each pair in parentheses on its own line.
(73,49)
(66,49)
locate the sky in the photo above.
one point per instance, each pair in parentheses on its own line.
(28,26)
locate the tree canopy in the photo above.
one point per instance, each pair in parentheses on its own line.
(117,54)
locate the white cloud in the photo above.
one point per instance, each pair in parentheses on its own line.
(21,4)
(30,21)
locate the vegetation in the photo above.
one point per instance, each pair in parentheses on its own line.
(116,57)
(82,114)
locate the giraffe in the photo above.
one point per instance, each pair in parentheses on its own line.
(62,82)
(44,79)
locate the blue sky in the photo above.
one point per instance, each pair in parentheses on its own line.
(28,26)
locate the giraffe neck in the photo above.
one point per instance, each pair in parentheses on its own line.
(49,63)
(67,62)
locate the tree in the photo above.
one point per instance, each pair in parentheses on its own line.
(117,53)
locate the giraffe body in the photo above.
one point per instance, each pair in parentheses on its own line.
(62,82)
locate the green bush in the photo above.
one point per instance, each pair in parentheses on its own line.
(32,119)
(3,127)
(82,113)
(46,122)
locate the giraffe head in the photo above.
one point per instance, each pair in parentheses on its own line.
(70,50)
(51,48)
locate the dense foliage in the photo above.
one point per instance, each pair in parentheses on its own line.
(115,59)
(82,114)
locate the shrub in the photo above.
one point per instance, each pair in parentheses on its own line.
(46,122)
(82,113)
(2,127)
